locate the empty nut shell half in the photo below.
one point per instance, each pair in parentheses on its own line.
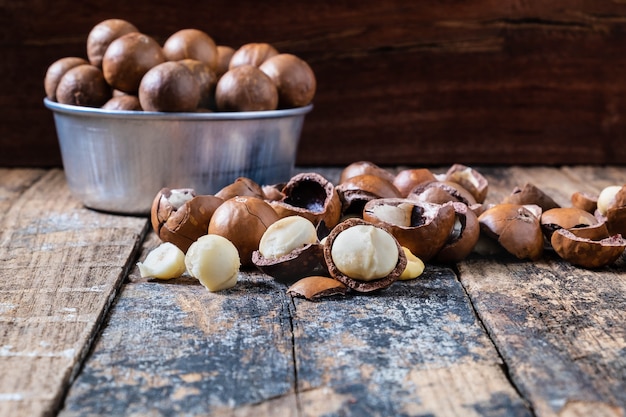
(584,201)
(358,190)
(566,218)
(372,257)
(421,227)
(516,228)
(311,196)
(316,287)
(586,252)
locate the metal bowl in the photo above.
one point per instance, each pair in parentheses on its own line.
(117,161)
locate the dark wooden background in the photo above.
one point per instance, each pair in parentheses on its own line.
(399,82)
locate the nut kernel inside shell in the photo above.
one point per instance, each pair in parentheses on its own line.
(285,235)
(365,252)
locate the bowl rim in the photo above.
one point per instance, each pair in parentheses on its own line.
(148,115)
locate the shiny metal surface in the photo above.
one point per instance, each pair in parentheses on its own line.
(117,161)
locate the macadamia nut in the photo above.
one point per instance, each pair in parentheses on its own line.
(166,261)
(214,261)
(365,252)
(606,198)
(285,235)
(414,266)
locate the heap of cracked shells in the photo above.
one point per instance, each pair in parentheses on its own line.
(402,219)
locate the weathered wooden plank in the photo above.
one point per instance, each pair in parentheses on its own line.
(559,328)
(414,349)
(172,347)
(61,267)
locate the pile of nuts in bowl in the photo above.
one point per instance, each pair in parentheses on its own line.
(126,69)
(372,228)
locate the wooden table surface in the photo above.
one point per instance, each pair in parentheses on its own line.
(82,334)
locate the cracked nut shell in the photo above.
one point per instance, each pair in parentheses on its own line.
(421,227)
(577,247)
(316,287)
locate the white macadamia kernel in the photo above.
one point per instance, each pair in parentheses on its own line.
(606,198)
(178,197)
(365,252)
(399,215)
(166,261)
(214,261)
(285,235)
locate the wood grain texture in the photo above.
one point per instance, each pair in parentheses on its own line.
(61,267)
(493,82)
(559,328)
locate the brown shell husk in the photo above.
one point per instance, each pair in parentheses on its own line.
(407,179)
(470,179)
(355,284)
(586,252)
(184,225)
(356,191)
(458,247)
(242,186)
(429,231)
(316,287)
(311,196)
(566,218)
(297,264)
(440,192)
(616,220)
(364,167)
(584,201)
(531,194)
(516,227)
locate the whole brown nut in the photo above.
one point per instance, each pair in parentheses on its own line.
(224,54)
(530,194)
(440,192)
(254,54)
(206,79)
(421,227)
(83,85)
(123,102)
(56,70)
(316,287)
(180,217)
(355,191)
(101,36)
(294,79)
(370,260)
(365,167)
(242,186)
(311,196)
(169,87)
(128,58)
(565,217)
(191,44)
(463,236)
(516,227)
(576,247)
(407,179)
(243,220)
(470,179)
(246,88)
